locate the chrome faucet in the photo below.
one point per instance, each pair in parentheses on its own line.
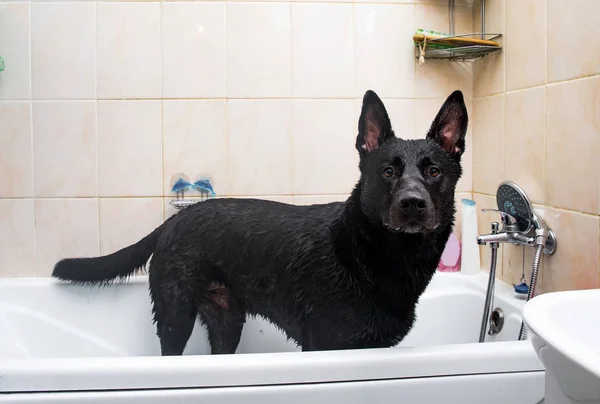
(509,233)
(538,233)
(522,226)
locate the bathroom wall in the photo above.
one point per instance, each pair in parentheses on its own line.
(537,122)
(102,102)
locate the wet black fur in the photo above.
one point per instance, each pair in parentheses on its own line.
(334,276)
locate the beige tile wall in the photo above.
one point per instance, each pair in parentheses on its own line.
(102,102)
(537,122)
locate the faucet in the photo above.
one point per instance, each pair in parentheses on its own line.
(537,234)
(522,226)
(509,233)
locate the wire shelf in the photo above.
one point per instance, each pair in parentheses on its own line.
(458,47)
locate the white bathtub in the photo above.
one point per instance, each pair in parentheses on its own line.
(72,344)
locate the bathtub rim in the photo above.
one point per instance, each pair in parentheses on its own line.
(204,371)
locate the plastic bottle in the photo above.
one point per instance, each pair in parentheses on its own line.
(470,262)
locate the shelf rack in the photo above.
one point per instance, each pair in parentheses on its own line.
(458,47)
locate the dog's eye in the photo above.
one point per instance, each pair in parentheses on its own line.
(388,172)
(434,172)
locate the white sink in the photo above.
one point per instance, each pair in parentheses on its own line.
(564,328)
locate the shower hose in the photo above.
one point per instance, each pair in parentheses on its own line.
(537,259)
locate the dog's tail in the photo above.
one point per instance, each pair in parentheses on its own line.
(118,265)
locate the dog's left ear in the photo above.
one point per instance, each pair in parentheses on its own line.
(450,125)
(374,126)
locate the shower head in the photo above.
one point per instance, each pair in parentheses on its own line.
(512,200)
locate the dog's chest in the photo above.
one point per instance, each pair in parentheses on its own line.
(390,312)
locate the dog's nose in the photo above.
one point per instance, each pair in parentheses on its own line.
(413,205)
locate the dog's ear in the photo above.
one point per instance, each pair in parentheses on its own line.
(374,125)
(450,125)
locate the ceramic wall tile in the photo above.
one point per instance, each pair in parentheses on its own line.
(193,50)
(260,147)
(65,228)
(383,58)
(524,142)
(323,129)
(16,167)
(130,148)
(322,50)
(573,145)
(434,16)
(65,148)
(125,221)
(129,50)
(258,50)
(525,43)
(575,263)
(17,238)
(15,80)
(572,31)
(488,144)
(63,50)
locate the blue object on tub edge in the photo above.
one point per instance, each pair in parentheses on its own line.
(522,288)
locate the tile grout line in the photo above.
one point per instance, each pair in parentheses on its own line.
(504,86)
(64,100)
(97,113)
(226,124)
(588,77)
(292,108)
(162,112)
(545,41)
(257,196)
(426,3)
(32,149)
(353,39)
(545,122)
(96,127)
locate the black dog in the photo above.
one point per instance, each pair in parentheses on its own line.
(335,276)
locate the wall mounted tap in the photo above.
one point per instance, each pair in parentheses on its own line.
(520,226)
(509,233)
(538,233)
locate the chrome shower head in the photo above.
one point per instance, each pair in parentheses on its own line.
(512,200)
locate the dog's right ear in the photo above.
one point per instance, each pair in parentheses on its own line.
(374,126)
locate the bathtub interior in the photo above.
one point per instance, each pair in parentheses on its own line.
(41,318)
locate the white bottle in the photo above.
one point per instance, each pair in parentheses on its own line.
(470,262)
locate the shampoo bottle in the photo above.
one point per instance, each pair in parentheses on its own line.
(470,262)
(450,261)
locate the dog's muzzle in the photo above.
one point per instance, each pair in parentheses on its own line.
(412,212)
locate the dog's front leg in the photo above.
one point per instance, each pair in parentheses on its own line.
(306,341)
(319,341)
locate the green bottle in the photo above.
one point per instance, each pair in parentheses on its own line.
(2,66)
